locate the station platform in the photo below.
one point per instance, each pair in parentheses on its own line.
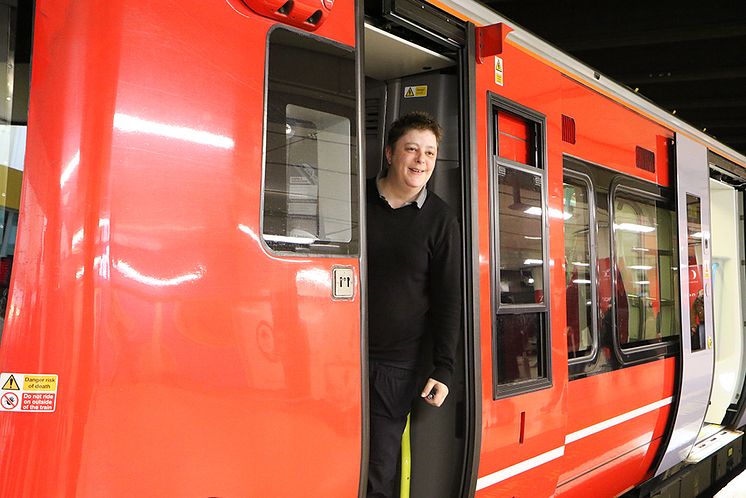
(736,488)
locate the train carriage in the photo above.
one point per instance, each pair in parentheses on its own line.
(187,305)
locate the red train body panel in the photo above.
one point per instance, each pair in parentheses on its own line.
(606,134)
(190,360)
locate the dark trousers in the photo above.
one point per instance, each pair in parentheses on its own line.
(393,388)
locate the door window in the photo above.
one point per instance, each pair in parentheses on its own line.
(310,177)
(695,262)
(15,57)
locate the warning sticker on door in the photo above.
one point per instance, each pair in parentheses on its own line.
(28,392)
(411,92)
(499,71)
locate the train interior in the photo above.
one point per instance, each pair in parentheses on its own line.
(728,289)
(403,76)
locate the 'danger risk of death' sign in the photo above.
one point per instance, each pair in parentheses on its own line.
(21,392)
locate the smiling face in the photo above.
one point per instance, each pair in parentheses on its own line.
(412,159)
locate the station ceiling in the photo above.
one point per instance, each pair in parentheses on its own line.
(687,57)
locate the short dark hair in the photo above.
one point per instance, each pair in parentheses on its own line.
(415,120)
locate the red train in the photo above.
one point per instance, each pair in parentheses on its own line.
(187,306)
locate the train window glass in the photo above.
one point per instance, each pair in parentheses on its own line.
(579,265)
(516,138)
(646,277)
(519,247)
(520,341)
(695,262)
(310,178)
(520,218)
(16,20)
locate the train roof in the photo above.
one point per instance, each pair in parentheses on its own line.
(481,15)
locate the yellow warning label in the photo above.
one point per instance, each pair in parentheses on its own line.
(11,384)
(499,71)
(415,91)
(40,383)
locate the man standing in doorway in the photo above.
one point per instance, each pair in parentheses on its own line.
(414,290)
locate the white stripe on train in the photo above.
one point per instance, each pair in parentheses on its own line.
(531,463)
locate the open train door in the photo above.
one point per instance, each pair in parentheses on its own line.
(312,230)
(697,348)
(419,56)
(187,293)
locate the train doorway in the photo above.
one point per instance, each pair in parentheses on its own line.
(411,68)
(723,279)
(727,294)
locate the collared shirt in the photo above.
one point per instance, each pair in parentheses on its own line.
(418,201)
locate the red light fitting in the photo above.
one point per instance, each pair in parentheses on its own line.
(305,14)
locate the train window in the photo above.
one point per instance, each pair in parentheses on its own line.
(519,213)
(520,345)
(580,281)
(310,177)
(16,22)
(646,279)
(695,262)
(516,138)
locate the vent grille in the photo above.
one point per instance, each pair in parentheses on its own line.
(372,114)
(645,159)
(568,129)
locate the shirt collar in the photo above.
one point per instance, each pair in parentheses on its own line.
(419,201)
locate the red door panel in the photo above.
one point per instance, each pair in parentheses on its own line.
(511,463)
(191,360)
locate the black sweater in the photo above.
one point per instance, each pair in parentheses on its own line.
(414,283)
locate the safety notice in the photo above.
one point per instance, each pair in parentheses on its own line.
(28,392)
(415,91)
(499,75)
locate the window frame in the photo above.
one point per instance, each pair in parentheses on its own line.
(593,235)
(497,303)
(637,191)
(349,248)
(495,104)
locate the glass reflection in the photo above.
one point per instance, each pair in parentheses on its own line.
(15,57)
(646,281)
(310,182)
(519,340)
(695,262)
(520,221)
(578,275)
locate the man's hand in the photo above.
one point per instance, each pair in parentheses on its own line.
(434,392)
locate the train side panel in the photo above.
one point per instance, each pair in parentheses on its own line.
(598,432)
(505,450)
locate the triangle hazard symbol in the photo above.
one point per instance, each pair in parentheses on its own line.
(409,92)
(11,384)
